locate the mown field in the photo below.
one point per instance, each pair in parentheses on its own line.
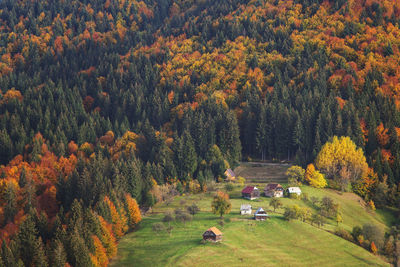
(246,242)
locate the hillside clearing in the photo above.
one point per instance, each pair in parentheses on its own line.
(275,242)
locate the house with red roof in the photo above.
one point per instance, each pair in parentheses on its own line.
(251,192)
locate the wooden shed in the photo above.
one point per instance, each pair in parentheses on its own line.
(260,215)
(251,192)
(230,175)
(213,235)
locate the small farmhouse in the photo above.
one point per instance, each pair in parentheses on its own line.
(273,190)
(230,175)
(260,215)
(251,192)
(294,190)
(212,234)
(245,209)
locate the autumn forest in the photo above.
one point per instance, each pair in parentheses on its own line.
(111,105)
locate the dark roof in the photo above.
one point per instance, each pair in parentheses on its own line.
(230,172)
(272,187)
(248,189)
(261,212)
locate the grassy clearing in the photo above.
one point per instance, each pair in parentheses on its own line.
(275,242)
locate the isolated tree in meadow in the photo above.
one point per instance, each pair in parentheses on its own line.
(221,204)
(275,203)
(193,209)
(342,161)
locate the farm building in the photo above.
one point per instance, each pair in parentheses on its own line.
(245,209)
(260,215)
(294,190)
(251,192)
(212,234)
(230,175)
(273,190)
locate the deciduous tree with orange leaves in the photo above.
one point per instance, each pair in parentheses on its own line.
(221,204)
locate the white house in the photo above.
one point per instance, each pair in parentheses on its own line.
(245,209)
(294,190)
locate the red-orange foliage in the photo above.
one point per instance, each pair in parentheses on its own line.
(87,103)
(133,211)
(100,254)
(107,238)
(374,250)
(72,147)
(12,94)
(382,135)
(118,219)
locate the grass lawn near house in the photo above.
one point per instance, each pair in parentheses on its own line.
(275,242)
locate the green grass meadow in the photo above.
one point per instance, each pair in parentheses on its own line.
(246,242)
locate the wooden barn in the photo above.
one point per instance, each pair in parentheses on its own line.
(230,175)
(251,192)
(213,235)
(273,190)
(260,215)
(245,209)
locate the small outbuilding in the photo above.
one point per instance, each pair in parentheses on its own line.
(294,190)
(245,209)
(213,235)
(230,175)
(273,190)
(260,215)
(251,192)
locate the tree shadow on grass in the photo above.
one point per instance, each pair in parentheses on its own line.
(367,262)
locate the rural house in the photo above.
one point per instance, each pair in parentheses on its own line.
(230,175)
(273,190)
(245,209)
(251,192)
(260,215)
(212,234)
(294,190)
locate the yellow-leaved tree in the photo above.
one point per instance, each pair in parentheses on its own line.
(314,177)
(341,160)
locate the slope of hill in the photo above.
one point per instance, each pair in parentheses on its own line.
(275,242)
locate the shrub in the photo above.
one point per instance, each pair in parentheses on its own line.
(229,187)
(240,180)
(318,220)
(292,212)
(305,196)
(344,234)
(295,175)
(158,227)
(168,218)
(314,201)
(371,205)
(373,233)
(294,196)
(193,209)
(357,231)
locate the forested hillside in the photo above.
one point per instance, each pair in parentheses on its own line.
(104,102)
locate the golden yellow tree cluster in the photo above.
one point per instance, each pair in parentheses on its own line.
(342,161)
